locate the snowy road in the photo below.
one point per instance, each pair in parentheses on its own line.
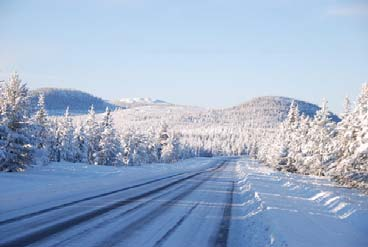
(192,207)
(223,202)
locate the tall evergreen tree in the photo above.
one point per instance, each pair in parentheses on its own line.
(66,137)
(109,152)
(283,146)
(320,142)
(170,151)
(41,132)
(3,131)
(93,135)
(15,138)
(163,138)
(80,145)
(54,141)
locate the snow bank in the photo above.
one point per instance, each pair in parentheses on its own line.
(292,210)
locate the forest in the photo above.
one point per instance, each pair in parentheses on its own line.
(316,145)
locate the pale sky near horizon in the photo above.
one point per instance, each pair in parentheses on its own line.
(212,53)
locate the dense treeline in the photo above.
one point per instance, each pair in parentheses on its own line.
(38,139)
(320,146)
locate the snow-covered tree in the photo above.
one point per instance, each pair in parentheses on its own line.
(347,107)
(15,140)
(300,147)
(92,133)
(54,141)
(110,152)
(352,165)
(320,144)
(80,145)
(66,137)
(162,139)
(284,147)
(171,150)
(41,132)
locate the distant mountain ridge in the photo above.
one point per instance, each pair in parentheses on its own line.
(263,112)
(57,100)
(142,101)
(137,102)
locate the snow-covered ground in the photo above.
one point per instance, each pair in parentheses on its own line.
(283,209)
(198,202)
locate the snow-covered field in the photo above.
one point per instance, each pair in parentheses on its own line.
(197,202)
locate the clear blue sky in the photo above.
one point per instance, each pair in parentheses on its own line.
(214,53)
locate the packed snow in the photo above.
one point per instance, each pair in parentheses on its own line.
(59,182)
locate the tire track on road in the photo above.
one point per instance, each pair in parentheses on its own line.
(175,227)
(223,233)
(43,211)
(149,217)
(106,222)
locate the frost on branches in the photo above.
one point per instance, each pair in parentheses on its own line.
(109,148)
(16,127)
(351,167)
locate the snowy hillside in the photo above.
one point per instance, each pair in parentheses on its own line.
(57,100)
(262,112)
(269,111)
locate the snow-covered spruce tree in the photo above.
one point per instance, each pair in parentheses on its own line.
(80,145)
(352,166)
(134,148)
(152,145)
(300,150)
(344,137)
(41,132)
(162,139)
(66,137)
(3,132)
(93,135)
(170,151)
(254,149)
(110,151)
(127,147)
(138,148)
(347,107)
(320,147)
(16,150)
(54,141)
(3,137)
(142,152)
(283,150)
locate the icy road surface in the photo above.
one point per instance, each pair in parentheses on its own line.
(199,202)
